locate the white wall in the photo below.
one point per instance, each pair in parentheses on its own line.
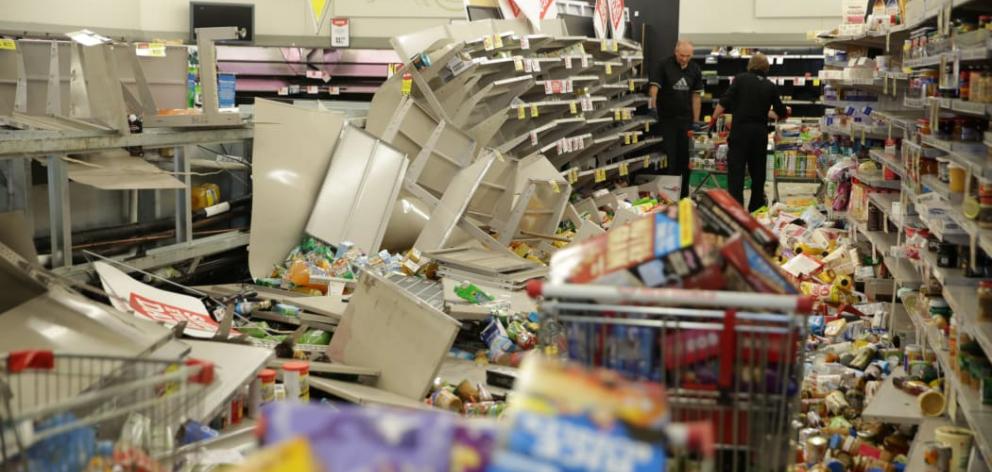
(276,21)
(737,22)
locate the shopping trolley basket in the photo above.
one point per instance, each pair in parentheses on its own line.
(730,358)
(63,411)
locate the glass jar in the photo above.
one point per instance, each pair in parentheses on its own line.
(985,300)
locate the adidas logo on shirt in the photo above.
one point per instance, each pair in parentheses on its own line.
(681,85)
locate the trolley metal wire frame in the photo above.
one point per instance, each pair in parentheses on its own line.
(47,396)
(755,390)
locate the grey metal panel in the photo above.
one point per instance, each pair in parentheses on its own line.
(359,191)
(292,151)
(452,206)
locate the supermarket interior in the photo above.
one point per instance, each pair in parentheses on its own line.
(496,235)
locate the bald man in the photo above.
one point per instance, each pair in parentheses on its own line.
(676,93)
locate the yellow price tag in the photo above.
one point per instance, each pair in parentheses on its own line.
(647,127)
(599,175)
(647,162)
(573,175)
(602,45)
(518,63)
(616,45)
(497,41)
(816,82)
(609,69)
(487,43)
(626,139)
(521,112)
(8,44)
(407,85)
(534,112)
(624,169)
(617,115)
(554,186)
(573,107)
(633,138)
(631,86)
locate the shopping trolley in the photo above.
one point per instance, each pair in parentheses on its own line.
(733,359)
(64,411)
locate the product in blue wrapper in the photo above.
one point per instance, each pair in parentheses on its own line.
(614,424)
(359,438)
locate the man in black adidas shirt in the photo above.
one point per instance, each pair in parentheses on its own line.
(676,93)
(752,99)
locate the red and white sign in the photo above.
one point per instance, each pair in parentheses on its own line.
(169,308)
(601,19)
(340,33)
(617,21)
(533,10)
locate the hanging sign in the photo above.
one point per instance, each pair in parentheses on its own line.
(318,13)
(618,23)
(601,19)
(533,10)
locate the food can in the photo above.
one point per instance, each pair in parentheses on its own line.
(296,378)
(959,440)
(816,449)
(837,402)
(914,352)
(468,392)
(936,457)
(446,400)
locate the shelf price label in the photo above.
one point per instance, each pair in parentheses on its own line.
(647,127)
(631,86)
(634,137)
(626,139)
(407,85)
(647,162)
(624,169)
(573,175)
(8,44)
(534,112)
(518,63)
(599,175)
(497,41)
(524,42)
(521,112)
(573,108)
(487,43)
(554,186)
(609,69)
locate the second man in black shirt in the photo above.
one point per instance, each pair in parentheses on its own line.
(752,99)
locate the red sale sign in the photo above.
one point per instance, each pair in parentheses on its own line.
(617,21)
(533,10)
(601,19)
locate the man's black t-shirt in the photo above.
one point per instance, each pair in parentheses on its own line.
(675,88)
(750,97)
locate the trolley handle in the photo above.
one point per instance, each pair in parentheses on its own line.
(706,298)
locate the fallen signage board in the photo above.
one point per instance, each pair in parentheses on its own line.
(359,191)
(144,301)
(387,328)
(292,151)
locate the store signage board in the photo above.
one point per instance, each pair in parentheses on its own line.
(144,301)
(340,32)
(601,19)
(618,23)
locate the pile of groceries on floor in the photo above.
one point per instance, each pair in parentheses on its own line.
(868,393)
(693,336)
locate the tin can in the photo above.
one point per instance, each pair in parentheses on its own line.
(936,457)
(914,352)
(837,402)
(446,400)
(816,449)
